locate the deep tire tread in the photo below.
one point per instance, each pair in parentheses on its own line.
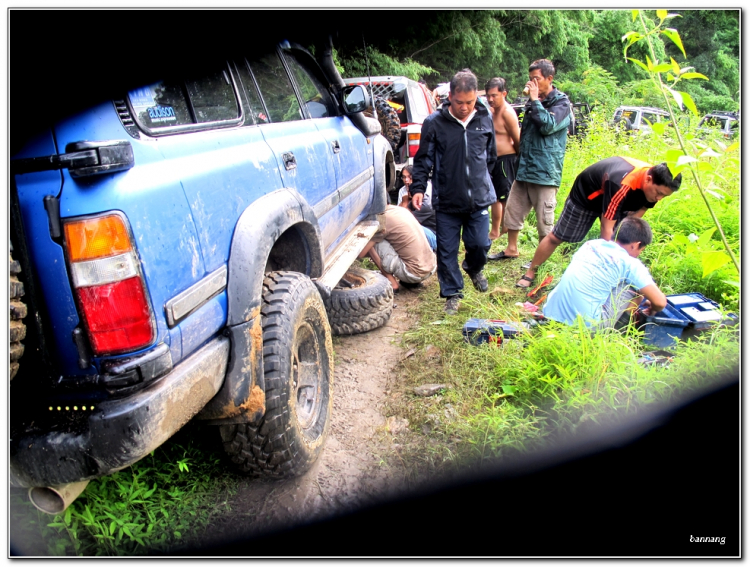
(18,311)
(390,124)
(357,310)
(269,448)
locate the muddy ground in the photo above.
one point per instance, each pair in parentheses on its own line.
(359,464)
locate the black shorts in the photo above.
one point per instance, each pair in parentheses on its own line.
(503,175)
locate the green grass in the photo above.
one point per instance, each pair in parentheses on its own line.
(529,392)
(164,501)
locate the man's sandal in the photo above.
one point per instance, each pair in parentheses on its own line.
(500,256)
(527,279)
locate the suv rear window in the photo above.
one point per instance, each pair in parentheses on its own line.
(171,103)
(419,110)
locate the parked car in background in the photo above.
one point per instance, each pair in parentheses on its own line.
(177,252)
(638,118)
(578,125)
(727,123)
(413,103)
(581,115)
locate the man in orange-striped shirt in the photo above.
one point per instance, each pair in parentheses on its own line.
(610,190)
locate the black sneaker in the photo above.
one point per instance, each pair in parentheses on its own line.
(451,305)
(479,281)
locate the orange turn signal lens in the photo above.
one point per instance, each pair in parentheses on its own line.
(96,238)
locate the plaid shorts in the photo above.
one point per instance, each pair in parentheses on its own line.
(574,223)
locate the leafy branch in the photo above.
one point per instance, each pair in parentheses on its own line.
(675,74)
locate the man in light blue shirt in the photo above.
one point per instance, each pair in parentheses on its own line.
(600,282)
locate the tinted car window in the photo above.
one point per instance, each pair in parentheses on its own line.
(212,98)
(161,105)
(256,113)
(276,89)
(316,100)
(172,103)
(652,118)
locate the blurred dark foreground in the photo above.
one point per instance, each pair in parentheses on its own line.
(649,488)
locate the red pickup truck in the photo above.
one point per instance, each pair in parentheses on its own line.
(413,103)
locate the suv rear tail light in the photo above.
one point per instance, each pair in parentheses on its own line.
(108,284)
(413,143)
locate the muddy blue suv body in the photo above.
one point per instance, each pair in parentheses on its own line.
(172,253)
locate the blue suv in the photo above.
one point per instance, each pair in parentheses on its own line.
(177,253)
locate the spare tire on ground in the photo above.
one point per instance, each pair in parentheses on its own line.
(360,302)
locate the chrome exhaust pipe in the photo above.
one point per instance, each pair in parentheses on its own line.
(55,499)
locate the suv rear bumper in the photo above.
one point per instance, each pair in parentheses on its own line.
(120,432)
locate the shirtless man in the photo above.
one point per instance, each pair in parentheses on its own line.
(507,139)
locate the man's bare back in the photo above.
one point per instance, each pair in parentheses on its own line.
(507,131)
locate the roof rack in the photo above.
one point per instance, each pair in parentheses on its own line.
(725,113)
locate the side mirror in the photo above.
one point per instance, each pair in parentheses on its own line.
(356,99)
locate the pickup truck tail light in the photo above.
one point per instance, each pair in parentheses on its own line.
(413,140)
(108,284)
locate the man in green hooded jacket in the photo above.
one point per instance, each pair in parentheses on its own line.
(544,135)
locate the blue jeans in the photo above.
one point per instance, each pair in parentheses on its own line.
(474,228)
(431,238)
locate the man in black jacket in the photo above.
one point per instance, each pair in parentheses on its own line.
(458,147)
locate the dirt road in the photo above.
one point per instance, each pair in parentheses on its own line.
(353,469)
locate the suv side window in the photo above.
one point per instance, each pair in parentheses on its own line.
(316,98)
(652,118)
(277,90)
(212,98)
(256,114)
(172,103)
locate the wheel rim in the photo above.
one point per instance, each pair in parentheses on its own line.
(350,281)
(306,369)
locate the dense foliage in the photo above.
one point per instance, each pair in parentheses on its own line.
(585,45)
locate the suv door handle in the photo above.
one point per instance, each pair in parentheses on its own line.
(290,162)
(336,146)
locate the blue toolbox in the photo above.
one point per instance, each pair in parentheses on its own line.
(665,328)
(685,316)
(480,331)
(700,310)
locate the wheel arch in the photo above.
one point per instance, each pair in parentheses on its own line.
(273,228)
(279,228)
(385,173)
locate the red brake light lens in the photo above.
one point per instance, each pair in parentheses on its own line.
(117,316)
(104,270)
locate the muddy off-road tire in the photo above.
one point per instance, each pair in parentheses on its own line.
(298,374)
(362,301)
(390,125)
(17,312)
